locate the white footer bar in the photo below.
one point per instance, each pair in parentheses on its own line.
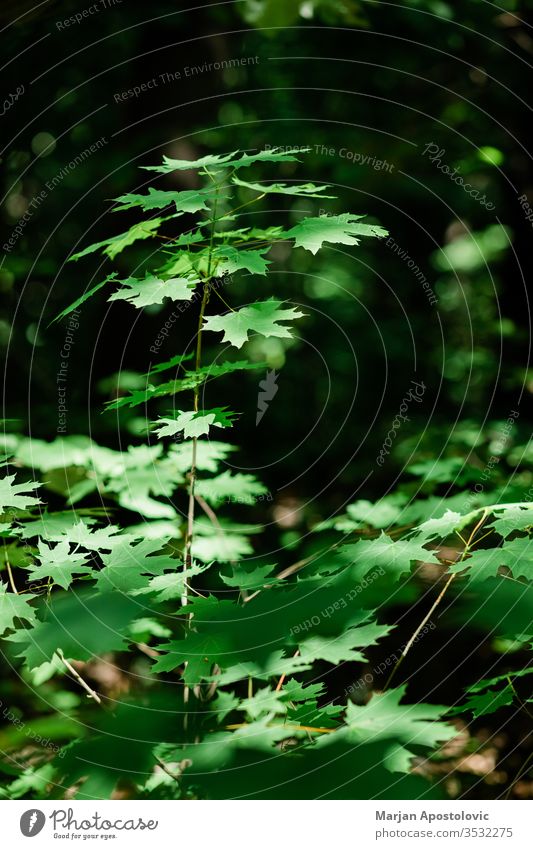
(264,825)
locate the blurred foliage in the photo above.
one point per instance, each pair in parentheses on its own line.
(371,89)
(400,78)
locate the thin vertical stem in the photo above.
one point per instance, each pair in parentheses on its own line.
(196,397)
(192,472)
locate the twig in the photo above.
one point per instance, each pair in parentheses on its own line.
(212,516)
(210,513)
(522,771)
(517,696)
(290,570)
(418,629)
(168,771)
(11,579)
(181,766)
(217,293)
(279,685)
(78,677)
(289,728)
(147,650)
(436,603)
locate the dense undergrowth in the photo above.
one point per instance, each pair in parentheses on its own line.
(167,654)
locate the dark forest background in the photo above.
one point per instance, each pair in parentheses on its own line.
(375,90)
(380,81)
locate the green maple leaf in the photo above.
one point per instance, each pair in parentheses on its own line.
(52,526)
(238,487)
(309,714)
(229,259)
(129,567)
(482,704)
(209,455)
(518,556)
(181,264)
(116,244)
(380,515)
(58,563)
(512,517)
(393,556)
(443,470)
(15,494)
(237,644)
(194,424)
(122,743)
(266,234)
(498,679)
(133,476)
(497,606)
(434,507)
(300,190)
(186,201)
(152,290)
(198,651)
(239,649)
(82,625)
(211,160)
(225,160)
(220,369)
(13,606)
(303,709)
(186,239)
(94,766)
(271,666)
(86,295)
(173,387)
(62,452)
(261,735)
(262,317)
(13,553)
(264,701)
(174,362)
(142,396)
(225,544)
(343,648)
(273,155)
(410,725)
(94,539)
(133,492)
(443,527)
(481,564)
(171,585)
(213,369)
(295,691)
(484,563)
(311,233)
(224,704)
(246,579)
(143,629)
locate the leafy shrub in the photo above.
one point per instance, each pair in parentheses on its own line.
(220,666)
